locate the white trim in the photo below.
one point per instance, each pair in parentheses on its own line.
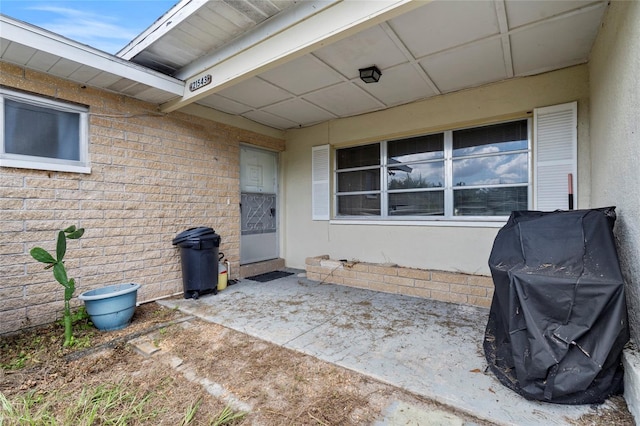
(44,163)
(170,20)
(555,131)
(320,182)
(498,223)
(448,173)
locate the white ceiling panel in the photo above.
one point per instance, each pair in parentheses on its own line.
(225,17)
(344,100)
(190,37)
(42,61)
(121,85)
(104,79)
(555,43)
(270,120)
(84,74)
(525,12)
(399,85)
(442,25)
(177,47)
(467,66)
(135,89)
(18,53)
(299,111)
(225,105)
(370,47)
(153,95)
(64,68)
(4,44)
(255,93)
(211,31)
(302,75)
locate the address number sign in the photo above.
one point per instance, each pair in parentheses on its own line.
(200,83)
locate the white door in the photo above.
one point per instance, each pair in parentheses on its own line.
(258,205)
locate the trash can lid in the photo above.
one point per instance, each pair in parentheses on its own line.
(192,233)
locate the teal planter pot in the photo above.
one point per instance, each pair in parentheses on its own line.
(111,308)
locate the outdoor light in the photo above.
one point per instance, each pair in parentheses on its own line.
(370,75)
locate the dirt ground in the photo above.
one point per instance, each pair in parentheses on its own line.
(207,366)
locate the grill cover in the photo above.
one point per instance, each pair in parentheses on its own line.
(558,318)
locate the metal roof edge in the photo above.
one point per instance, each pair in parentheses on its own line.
(178,13)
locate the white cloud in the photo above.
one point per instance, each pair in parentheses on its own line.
(491,170)
(98,31)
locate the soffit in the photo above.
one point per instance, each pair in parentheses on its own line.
(34,48)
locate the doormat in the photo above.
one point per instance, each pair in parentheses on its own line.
(269,276)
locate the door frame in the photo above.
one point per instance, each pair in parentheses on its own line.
(277,201)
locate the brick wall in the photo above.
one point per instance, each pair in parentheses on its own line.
(152,176)
(466,289)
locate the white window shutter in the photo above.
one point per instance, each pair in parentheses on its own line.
(555,153)
(320,172)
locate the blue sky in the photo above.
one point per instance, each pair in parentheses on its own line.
(108,25)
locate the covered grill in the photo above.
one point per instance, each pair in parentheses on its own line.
(558,319)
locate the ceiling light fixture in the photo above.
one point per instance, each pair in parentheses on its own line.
(370,75)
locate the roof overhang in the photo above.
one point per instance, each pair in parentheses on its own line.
(35,48)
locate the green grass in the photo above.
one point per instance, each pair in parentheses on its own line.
(16,363)
(104,404)
(227,416)
(101,405)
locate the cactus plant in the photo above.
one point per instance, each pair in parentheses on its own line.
(60,272)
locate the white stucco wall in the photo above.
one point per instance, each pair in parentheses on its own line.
(615,133)
(461,249)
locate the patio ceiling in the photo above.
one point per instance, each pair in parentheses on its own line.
(289,64)
(423,48)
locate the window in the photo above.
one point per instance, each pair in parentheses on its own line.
(38,133)
(480,172)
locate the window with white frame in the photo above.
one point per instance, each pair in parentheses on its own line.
(479,172)
(44,134)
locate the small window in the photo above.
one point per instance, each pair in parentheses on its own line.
(39,133)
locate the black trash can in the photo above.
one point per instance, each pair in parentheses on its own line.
(199,259)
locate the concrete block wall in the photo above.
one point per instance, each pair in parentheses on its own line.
(476,290)
(152,175)
(631,362)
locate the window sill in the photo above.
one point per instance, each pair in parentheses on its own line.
(52,167)
(470,223)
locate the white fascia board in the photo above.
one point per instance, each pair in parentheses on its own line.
(46,41)
(170,20)
(340,20)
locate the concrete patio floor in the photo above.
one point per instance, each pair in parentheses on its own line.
(430,348)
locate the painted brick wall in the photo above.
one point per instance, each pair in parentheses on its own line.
(152,176)
(476,290)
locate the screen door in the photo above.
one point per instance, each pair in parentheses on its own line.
(258,205)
